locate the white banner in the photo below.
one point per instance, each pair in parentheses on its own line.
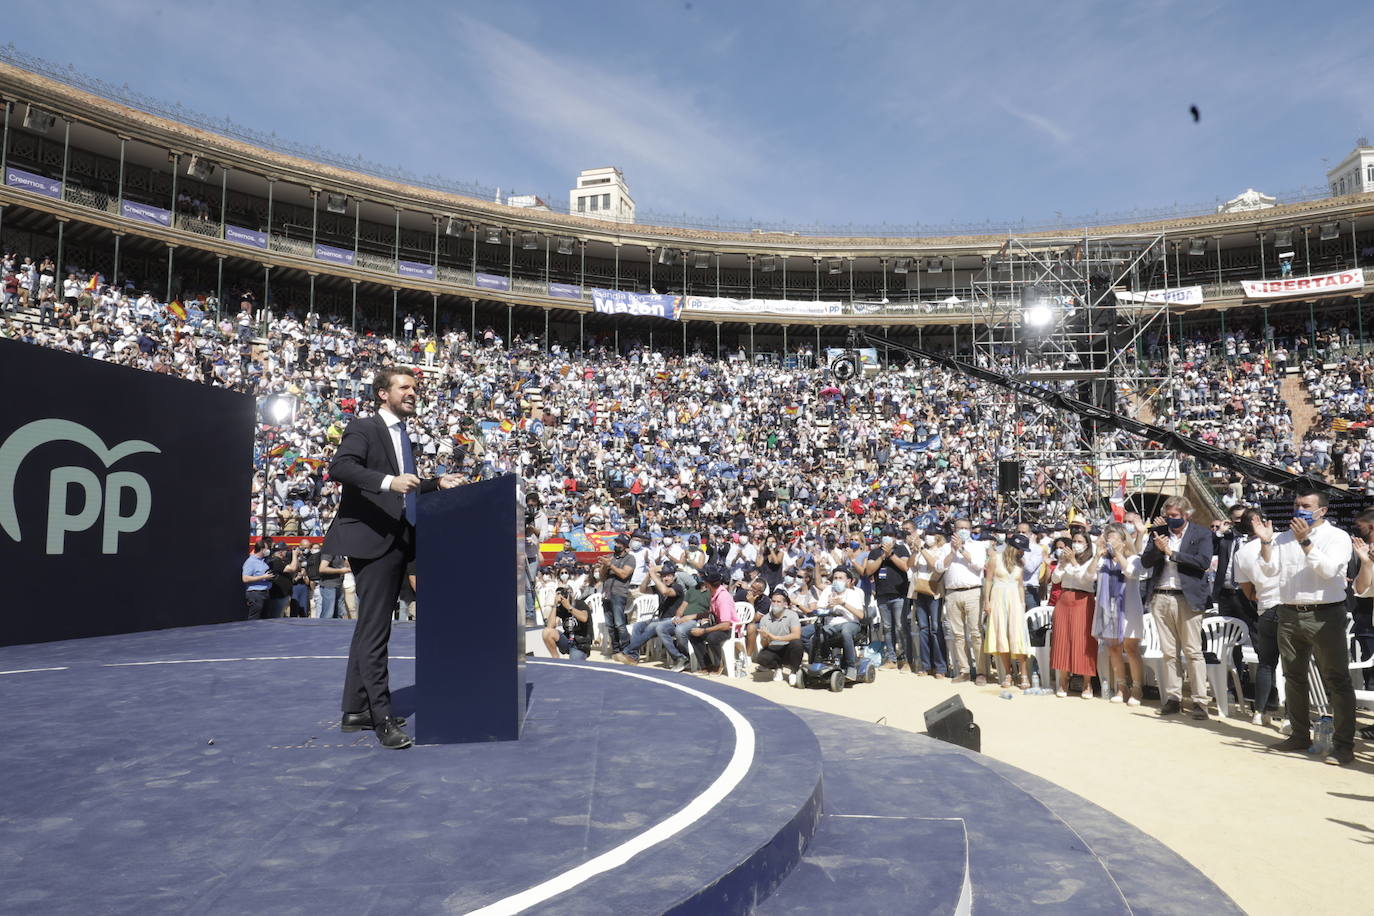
(761,306)
(1183,295)
(1339,282)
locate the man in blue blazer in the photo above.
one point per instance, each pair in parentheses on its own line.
(1179,553)
(375,529)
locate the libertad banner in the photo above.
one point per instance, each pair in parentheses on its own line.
(1183,295)
(622,302)
(1339,282)
(762,306)
(28,181)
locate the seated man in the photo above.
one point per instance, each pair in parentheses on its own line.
(663,578)
(780,632)
(846,607)
(719,627)
(568,629)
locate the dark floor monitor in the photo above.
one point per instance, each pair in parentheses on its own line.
(952,722)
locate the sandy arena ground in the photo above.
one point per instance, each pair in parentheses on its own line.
(1209,790)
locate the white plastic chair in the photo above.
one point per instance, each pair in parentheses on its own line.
(1220,636)
(1150,653)
(645,607)
(594,601)
(1037,617)
(1364,699)
(744,612)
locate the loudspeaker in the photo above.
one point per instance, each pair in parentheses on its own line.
(952,722)
(1008,477)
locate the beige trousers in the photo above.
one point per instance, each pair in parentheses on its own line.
(964,621)
(1180,632)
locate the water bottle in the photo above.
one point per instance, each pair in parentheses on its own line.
(1321,737)
(1005,695)
(1035,680)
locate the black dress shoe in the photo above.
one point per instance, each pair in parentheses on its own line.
(356,722)
(392,735)
(1293,744)
(1198,711)
(1171,706)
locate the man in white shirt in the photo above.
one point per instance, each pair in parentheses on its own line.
(1264,592)
(846,604)
(1310,561)
(962,570)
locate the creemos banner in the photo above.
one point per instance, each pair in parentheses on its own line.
(1339,282)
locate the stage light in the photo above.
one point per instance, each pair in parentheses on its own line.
(278,409)
(565,244)
(528,241)
(336,203)
(453,227)
(1330,231)
(768,264)
(835,266)
(901,265)
(199,169)
(1197,247)
(1283,238)
(1038,315)
(38,119)
(494,235)
(701,260)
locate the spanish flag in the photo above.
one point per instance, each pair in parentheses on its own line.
(93,283)
(463,440)
(507,426)
(177,309)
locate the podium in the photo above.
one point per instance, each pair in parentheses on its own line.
(470,632)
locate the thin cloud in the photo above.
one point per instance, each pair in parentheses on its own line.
(1044,125)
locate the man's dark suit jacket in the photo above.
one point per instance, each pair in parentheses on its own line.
(369,520)
(1193,557)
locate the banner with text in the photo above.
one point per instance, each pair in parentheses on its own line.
(415,269)
(334,255)
(243,236)
(145,213)
(1341,281)
(492,281)
(28,181)
(622,302)
(565,291)
(1184,295)
(761,306)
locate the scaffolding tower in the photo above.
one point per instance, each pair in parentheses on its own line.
(1073,314)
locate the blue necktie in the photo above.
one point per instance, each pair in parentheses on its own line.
(407,467)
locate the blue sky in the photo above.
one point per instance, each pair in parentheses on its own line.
(859,113)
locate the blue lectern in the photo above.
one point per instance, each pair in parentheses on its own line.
(470,632)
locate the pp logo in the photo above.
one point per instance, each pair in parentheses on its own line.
(63,516)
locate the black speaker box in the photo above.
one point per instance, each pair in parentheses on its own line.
(952,722)
(1008,477)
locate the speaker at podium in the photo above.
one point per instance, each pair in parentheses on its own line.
(470,639)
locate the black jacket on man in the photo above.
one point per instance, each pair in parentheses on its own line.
(1193,558)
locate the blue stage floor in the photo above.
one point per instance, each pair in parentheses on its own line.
(202,770)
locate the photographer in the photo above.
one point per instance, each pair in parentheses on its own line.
(568,629)
(283,562)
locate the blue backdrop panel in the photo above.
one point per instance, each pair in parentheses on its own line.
(123,498)
(469,635)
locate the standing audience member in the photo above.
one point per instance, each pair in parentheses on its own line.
(1180,554)
(257,578)
(1264,592)
(1073,650)
(1119,616)
(1004,633)
(927,585)
(962,577)
(1310,561)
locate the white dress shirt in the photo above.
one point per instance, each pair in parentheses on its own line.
(1166,574)
(965,572)
(1245,568)
(393,426)
(1080,577)
(1315,576)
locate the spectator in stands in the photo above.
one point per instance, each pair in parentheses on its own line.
(1118,614)
(1310,561)
(1179,553)
(1073,650)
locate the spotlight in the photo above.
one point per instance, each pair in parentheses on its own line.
(1038,315)
(835,266)
(701,260)
(768,264)
(1283,238)
(1197,247)
(1330,231)
(529,241)
(199,169)
(278,409)
(38,119)
(565,244)
(901,265)
(336,203)
(453,227)
(494,235)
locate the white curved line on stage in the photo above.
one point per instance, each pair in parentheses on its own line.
(208,661)
(31,670)
(693,811)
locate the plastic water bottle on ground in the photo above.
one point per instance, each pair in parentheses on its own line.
(1006,695)
(1321,737)
(1035,680)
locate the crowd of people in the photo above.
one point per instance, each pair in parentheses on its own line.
(790,487)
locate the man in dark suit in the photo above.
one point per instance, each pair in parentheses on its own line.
(1230,600)
(375,529)
(1179,554)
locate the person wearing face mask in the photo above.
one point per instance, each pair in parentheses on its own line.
(887,563)
(1073,650)
(925,591)
(1310,560)
(779,632)
(1004,632)
(1119,618)
(962,572)
(616,571)
(1264,592)
(1179,554)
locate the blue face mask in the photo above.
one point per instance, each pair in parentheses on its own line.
(1176,524)
(1304,514)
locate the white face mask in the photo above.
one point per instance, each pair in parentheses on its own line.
(929,540)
